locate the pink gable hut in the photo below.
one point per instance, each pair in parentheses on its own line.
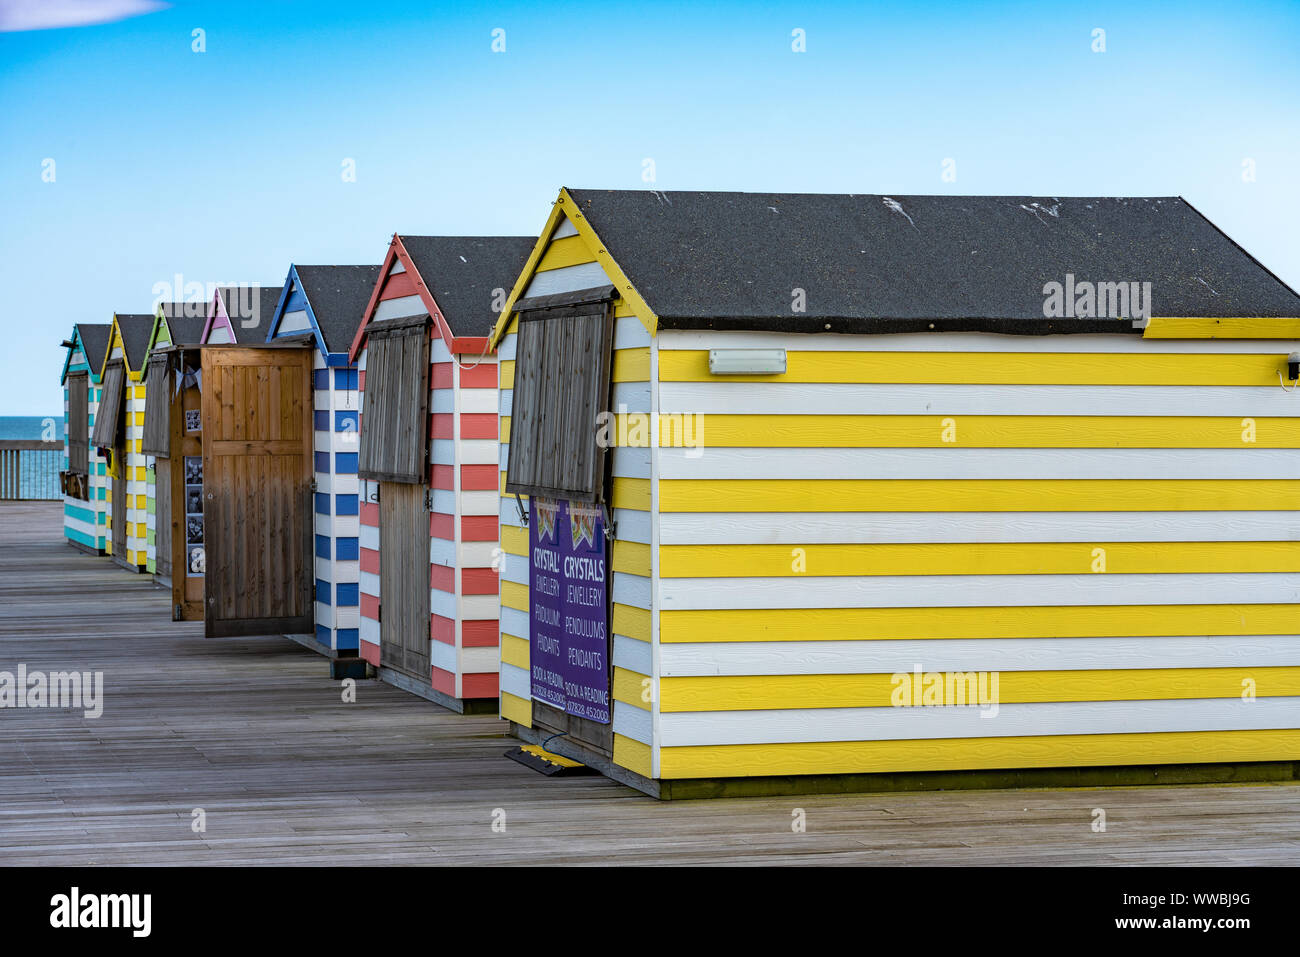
(240,314)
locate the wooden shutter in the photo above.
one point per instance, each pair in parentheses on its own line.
(394,421)
(109,414)
(562,381)
(157,408)
(78,428)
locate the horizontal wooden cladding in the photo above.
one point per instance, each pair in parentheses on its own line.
(752,658)
(950,754)
(763,692)
(1009,495)
(514,651)
(982,622)
(632,365)
(1235,327)
(996,368)
(633,755)
(967,463)
(937,591)
(569,251)
(971,431)
(832,398)
(518,710)
(814,725)
(1003,558)
(632,688)
(950,528)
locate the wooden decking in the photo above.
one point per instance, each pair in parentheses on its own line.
(255,733)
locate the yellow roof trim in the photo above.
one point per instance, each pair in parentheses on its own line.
(1235,327)
(115,340)
(566,206)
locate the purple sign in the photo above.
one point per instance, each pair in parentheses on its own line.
(567,591)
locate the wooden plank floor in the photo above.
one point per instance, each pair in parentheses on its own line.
(254,732)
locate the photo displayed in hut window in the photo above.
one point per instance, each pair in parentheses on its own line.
(194,500)
(195,561)
(193,420)
(193,470)
(194,529)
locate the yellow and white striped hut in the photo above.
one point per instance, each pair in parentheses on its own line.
(941,484)
(119,425)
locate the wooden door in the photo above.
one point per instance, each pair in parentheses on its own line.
(404,579)
(162,500)
(118,515)
(256,524)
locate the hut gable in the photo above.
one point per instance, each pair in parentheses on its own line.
(468,276)
(178,323)
(131,335)
(94,338)
(327,302)
(239,313)
(89,346)
(460,281)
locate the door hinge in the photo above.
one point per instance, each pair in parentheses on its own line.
(428,500)
(314,486)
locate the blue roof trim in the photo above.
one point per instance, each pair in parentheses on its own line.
(292,282)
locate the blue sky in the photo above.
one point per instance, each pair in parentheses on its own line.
(226,165)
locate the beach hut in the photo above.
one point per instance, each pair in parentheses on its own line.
(898,485)
(177,330)
(429,465)
(321,306)
(242,421)
(84,469)
(239,314)
(120,418)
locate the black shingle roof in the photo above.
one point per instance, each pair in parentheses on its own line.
(872,263)
(338,297)
(240,303)
(94,342)
(136,330)
(463,273)
(185,321)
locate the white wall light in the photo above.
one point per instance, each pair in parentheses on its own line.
(747,361)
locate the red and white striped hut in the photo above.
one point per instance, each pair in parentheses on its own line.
(429,460)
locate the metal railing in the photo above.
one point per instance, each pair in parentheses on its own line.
(29,469)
